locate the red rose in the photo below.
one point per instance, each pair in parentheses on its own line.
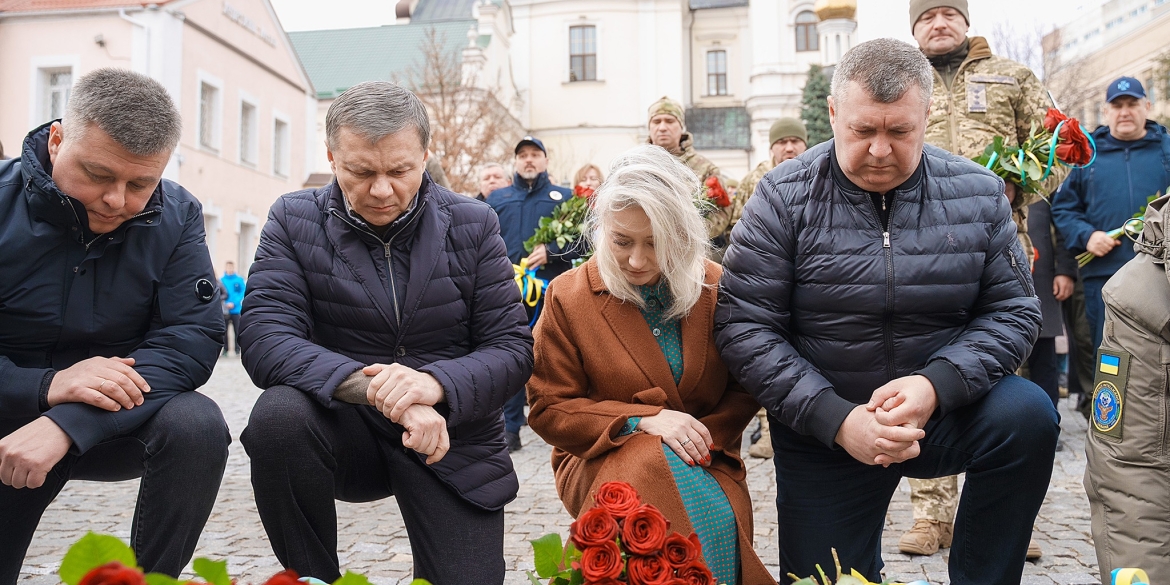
(582,191)
(1053,118)
(618,497)
(596,526)
(679,551)
(113,573)
(600,562)
(644,531)
(696,573)
(716,193)
(285,577)
(649,570)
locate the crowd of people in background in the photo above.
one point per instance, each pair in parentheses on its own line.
(882,305)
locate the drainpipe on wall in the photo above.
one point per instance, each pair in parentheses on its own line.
(146,29)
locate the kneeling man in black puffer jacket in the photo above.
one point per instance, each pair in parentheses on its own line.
(382,319)
(876,302)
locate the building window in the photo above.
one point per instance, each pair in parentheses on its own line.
(246,246)
(280,148)
(249,126)
(583,53)
(716,72)
(56,85)
(209,122)
(806,32)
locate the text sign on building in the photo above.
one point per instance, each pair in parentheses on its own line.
(238,17)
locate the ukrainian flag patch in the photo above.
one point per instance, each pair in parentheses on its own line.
(1110,364)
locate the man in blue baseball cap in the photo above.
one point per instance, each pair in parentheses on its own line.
(1133,158)
(520,206)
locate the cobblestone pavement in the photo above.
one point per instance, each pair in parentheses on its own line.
(373,541)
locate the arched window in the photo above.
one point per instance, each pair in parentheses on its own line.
(806,32)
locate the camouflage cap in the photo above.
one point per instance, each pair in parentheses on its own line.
(919,7)
(785,127)
(666,105)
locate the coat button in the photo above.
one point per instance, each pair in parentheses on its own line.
(657,332)
(401,351)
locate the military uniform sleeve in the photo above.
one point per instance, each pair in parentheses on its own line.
(1032,107)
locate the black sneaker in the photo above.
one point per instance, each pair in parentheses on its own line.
(514,443)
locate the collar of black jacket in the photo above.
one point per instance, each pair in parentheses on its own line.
(538,183)
(404,225)
(51,204)
(843,182)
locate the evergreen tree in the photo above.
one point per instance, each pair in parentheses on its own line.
(814,107)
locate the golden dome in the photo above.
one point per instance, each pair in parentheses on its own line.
(831,9)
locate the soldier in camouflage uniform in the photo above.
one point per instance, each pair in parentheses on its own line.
(977,96)
(668,129)
(1127,470)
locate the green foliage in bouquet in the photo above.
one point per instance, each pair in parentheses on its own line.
(1025,166)
(554,561)
(563,226)
(101,559)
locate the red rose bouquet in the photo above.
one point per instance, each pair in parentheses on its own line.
(99,559)
(1059,140)
(620,541)
(716,193)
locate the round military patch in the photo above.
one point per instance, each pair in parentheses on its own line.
(204,290)
(1106,407)
(555,195)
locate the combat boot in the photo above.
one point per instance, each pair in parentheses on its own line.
(926,537)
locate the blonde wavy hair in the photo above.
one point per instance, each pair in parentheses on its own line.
(651,179)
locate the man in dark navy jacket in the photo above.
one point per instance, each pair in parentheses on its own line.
(110,320)
(382,321)
(520,206)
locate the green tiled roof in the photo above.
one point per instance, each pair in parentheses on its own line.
(720,128)
(336,60)
(440,10)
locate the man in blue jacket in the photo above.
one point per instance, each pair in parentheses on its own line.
(110,322)
(382,321)
(1133,163)
(876,301)
(520,206)
(233,286)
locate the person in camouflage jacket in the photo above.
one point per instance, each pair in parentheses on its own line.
(787,139)
(977,96)
(668,129)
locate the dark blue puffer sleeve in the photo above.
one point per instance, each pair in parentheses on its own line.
(178,352)
(1005,323)
(753,316)
(478,384)
(276,322)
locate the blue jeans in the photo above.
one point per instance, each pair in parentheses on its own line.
(1006,444)
(1095,308)
(514,412)
(180,454)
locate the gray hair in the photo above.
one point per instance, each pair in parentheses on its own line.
(375,110)
(135,110)
(491,165)
(886,68)
(651,179)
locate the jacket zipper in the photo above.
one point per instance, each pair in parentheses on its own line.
(1024,282)
(887,324)
(386,246)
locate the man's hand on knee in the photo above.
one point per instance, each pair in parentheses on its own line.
(396,387)
(107,383)
(910,400)
(872,443)
(29,453)
(426,432)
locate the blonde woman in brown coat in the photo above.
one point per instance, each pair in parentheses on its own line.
(628,385)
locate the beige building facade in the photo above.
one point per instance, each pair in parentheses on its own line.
(248,108)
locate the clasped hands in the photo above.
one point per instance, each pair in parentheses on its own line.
(887,429)
(28,454)
(407,397)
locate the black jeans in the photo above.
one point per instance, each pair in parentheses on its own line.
(1043,369)
(1005,443)
(232,319)
(180,454)
(304,456)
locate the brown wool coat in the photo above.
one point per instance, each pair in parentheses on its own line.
(597,364)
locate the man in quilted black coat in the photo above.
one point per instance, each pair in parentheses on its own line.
(876,301)
(382,319)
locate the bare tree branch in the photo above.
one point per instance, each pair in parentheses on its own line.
(469,125)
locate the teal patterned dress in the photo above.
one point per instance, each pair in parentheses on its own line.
(706,505)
